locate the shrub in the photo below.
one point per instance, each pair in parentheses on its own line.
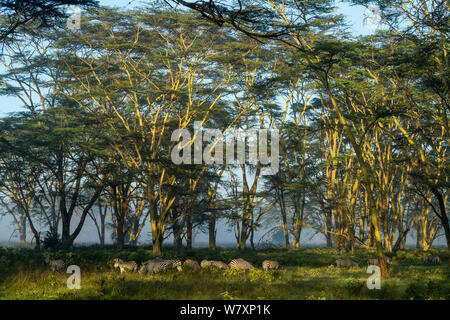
(255,275)
(416,290)
(354,287)
(51,241)
(233,272)
(4,263)
(387,291)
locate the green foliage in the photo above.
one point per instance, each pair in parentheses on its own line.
(52,241)
(355,287)
(416,290)
(306,274)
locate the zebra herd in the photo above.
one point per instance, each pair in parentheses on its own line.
(159,265)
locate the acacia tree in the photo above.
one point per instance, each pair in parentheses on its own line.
(67,152)
(20,13)
(421,126)
(147,89)
(421,73)
(62,137)
(100,222)
(214,182)
(18,180)
(300,25)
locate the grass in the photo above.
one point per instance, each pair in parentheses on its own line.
(307,274)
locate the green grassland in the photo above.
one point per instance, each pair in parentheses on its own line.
(306,274)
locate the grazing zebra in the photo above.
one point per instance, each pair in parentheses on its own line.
(55,265)
(191,264)
(205,263)
(214,264)
(432,259)
(374,262)
(125,265)
(346,263)
(270,265)
(176,264)
(240,264)
(158,265)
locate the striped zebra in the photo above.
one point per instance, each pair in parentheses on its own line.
(240,264)
(159,265)
(214,264)
(125,265)
(346,263)
(191,264)
(55,265)
(432,259)
(270,265)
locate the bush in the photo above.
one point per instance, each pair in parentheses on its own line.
(416,290)
(354,287)
(233,273)
(51,241)
(388,291)
(255,275)
(4,263)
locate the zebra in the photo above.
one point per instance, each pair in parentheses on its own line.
(346,263)
(375,262)
(215,264)
(205,263)
(270,265)
(432,259)
(125,265)
(191,264)
(240,264)
(55,265)
(157,265)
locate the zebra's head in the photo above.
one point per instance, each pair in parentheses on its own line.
(177,263)
(117,262)
(47,258)
(142,269)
